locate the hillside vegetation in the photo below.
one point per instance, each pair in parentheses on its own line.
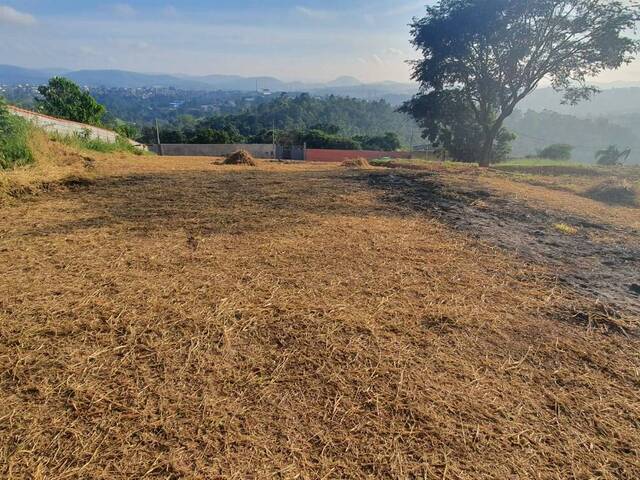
(14,140)
(301,113)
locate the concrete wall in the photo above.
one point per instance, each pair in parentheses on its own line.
(63,127)
(68,128)
(213,150)
(317,155)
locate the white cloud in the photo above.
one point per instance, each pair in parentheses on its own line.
(11,16)
(395,52)
(376,59)
(314,14)
(123,10)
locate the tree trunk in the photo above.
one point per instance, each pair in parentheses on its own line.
(486,153)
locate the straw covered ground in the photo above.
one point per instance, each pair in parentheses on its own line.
(174,318)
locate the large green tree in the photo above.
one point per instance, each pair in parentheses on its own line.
(485,56)
(64,99)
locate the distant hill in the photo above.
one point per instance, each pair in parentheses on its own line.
(616,100)
(10,75)
(125,79)
(392,91)
(536,130)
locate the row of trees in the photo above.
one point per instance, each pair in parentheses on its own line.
(318,136)
(327,122)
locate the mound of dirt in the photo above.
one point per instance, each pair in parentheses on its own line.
(241,157)
(614,192)
(356,163)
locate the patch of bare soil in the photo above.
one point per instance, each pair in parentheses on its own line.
(608,271)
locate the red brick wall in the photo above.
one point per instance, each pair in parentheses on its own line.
(317,155)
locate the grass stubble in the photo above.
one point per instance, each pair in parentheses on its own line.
(177,319)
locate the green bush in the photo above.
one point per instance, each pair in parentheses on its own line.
(558,151)
(86,142)
(14,136)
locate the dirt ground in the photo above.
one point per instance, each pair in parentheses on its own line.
(599,260)
(178,319)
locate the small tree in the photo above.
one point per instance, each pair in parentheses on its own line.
(389,142)
(557,151)
(64,99)
(491,54)
(612,156)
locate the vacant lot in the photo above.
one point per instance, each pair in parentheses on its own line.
(178,319)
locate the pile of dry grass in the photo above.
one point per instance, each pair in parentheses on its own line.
(241,157)
(356,163)
(221,336)
(614,192)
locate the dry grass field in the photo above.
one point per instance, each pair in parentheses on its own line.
(174,318)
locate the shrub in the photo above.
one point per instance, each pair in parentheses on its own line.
(557,151)
(14,135)
(86,142)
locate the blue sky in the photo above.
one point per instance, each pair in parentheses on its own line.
(289,39)
(305,40)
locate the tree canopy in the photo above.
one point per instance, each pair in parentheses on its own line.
(612,155)
(64,99)
(482,57)
(320,122)
(557,151)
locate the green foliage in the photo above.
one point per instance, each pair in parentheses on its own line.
(485,56)
(240,128)
(450,124)
(14,134)
(337,116)
(388,142)
(64,99)
(320,139)
(85,141)
(611,156)
(126,130)
(557,151)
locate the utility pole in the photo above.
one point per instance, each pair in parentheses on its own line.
(273,137)
(158,138)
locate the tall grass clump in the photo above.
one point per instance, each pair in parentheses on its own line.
(86,142)
(14,140)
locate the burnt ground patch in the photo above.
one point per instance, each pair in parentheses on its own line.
(600,261)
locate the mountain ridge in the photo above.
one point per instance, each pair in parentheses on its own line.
(116,78)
